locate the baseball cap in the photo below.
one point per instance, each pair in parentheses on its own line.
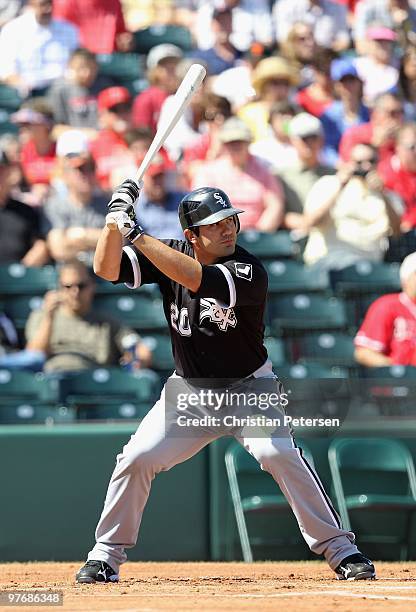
(160,52)
(408,266)
(72,142)
(381,33)
(304,125)
(234,129)
(30,116)
(158,166)
(112,96)
(341,68)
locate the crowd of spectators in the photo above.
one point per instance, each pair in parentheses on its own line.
(306,119)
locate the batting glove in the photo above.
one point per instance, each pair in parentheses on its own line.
(128,227)
(124,197)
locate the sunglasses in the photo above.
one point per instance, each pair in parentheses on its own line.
(79,286)
(364,162)
(410,146)
(395,112)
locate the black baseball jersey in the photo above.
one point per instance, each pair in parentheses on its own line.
(216,332)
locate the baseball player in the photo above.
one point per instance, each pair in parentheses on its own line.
(214,295)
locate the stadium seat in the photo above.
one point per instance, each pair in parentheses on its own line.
(27,387)
(158,34)
(161,347)
(21,413)
(113,411)
(366,277)
(276,351)
(375,489)
(99,388)
(290,276)
(10,99)
(305,312)
(126,69)
(135,310)
(332,348)
(390,390)
(16,279)
(265,521)
(265,245)
(19,307)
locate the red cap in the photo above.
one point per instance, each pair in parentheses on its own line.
(112,96)
(158,166)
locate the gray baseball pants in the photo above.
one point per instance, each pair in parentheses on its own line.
(152,450)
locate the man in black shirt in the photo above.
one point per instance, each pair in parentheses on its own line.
(214,296)
(20,235)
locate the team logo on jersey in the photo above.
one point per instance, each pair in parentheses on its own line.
(244,270)
(223,317)
(220,199)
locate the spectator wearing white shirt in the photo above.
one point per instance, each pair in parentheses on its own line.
(9,9)
(251,22)
(328,19)
(35,48)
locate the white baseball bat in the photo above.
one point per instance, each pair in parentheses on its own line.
(190,83)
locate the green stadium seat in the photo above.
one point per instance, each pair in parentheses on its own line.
(306,312)
(158,34)
(19,307)
(332,348)
(27,387)
(8,128)
(265,523)
(10,99)
(161,347)
(366,277)
(375,489)
(135,310)
(97,388)
(121,66)
(276,351)
(291,276)
(390,390)
(265,245)
(113,411)
(16,279)
(21,413)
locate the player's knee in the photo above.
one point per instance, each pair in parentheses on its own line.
(272,458)
(139,461)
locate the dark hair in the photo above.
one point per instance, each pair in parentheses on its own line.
(40,105)
(283,107)
(79,266)
(140,133)
(84,53)
(403,79)
(220,104)
(323,58)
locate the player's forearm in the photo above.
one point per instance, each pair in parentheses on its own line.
(371,359)
(179,267)
(108,252)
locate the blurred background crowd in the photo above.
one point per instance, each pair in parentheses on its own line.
(306,119)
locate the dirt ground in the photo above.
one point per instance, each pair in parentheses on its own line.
(148,587)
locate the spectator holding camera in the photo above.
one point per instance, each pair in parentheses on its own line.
(350,214)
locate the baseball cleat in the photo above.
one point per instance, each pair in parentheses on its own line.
(356,567)
(96,571)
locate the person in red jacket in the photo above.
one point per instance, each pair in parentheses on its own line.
(100,22)
(162,61)
(388,333)
(386,118)
(110,148)
(399,173)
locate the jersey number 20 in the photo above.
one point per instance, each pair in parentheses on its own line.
(180,320)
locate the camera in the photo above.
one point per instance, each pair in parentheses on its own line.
(360,171)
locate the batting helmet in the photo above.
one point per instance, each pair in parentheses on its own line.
(205,206)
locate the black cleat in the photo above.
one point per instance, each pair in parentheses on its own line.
(96,571)
(356,567)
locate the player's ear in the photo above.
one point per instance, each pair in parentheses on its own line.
(190,236)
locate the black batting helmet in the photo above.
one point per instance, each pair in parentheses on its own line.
(205,206)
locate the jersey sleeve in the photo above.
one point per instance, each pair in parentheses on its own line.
(234,283)
(375,332)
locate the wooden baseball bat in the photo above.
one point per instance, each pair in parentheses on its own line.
(190,83)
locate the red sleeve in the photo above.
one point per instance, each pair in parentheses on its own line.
(65,9)
(120,23)
(376,330)
(146,108)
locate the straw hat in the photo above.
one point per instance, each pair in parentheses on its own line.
(273,68)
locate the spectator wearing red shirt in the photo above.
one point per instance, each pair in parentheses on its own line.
(399,173)
(319,95)
(101,23)
(38,150)
(386,119)
(109,149)
(388,333)
(162,61)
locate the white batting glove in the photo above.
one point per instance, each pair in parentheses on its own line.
(128,227)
